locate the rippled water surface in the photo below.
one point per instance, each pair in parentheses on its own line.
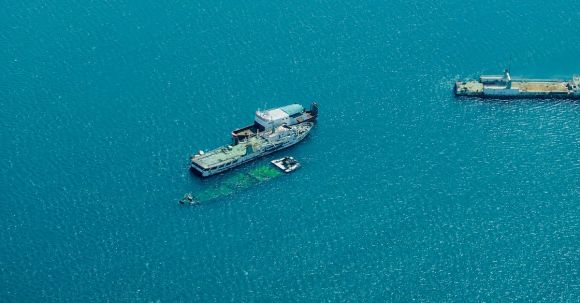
(405,193)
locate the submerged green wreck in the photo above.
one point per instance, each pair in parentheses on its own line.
(232,185)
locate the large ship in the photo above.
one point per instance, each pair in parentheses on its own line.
(504,86)
(248,149)
(273,130)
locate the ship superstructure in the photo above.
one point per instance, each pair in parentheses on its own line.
(270,119)
(504,86)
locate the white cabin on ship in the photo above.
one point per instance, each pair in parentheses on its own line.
(272,118)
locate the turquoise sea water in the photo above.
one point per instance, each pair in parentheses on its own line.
(405,194)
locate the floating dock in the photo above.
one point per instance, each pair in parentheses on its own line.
(503,86)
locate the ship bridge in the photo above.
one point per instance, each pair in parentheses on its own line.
(274,117)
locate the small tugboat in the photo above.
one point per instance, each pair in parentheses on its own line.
(188,199)
(286,164)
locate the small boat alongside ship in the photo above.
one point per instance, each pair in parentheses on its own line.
(273,130)
(504,86)
(286,164)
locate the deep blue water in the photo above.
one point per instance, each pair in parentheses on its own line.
(405,194)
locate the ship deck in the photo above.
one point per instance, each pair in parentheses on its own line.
(540,86)
(253,129)
(245,132)
(220,155)
(469,88)
(473,86)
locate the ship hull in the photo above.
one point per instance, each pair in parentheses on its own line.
(518,96)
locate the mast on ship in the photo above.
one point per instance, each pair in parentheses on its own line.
(507,78)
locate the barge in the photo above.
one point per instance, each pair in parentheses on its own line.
(504,86)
